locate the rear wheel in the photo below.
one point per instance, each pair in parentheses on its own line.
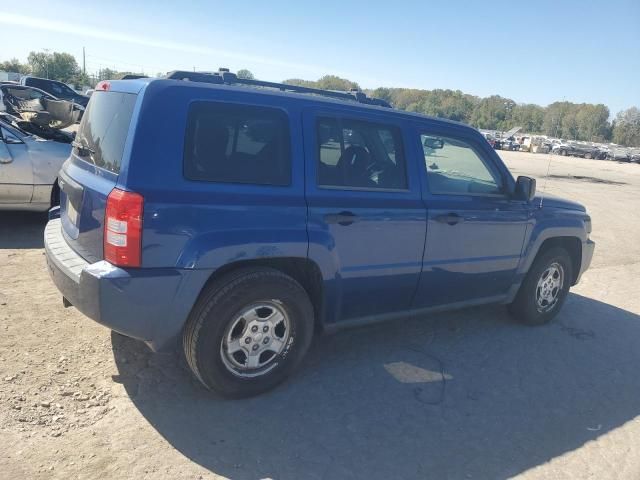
(544,289)
(587,156)
(248,332)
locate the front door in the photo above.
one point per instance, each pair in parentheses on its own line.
(475,231)
(366,217)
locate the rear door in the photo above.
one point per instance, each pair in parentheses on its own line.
(475,232)
(87,178)
(366,218)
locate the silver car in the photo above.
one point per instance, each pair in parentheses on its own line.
(29,167)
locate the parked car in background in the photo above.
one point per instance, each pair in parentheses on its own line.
(29,168)
(634,155)
(575,149)
(490,139)
(271,214)
(510,144)
(38,106)
(619,154)
(57,89)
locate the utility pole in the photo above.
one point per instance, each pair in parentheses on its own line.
(84,65)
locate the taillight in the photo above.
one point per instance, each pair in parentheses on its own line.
(123,228)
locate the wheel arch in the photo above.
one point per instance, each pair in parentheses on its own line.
(303,270)
(572,245)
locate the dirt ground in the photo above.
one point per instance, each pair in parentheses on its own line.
(463,395)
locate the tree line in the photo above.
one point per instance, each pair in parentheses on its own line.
(571,121)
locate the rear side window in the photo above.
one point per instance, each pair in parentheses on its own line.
(230,143)
(104,128)
(360,154)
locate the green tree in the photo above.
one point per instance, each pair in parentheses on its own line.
(626,130)
(108,74)
(528,116)
(57,65)
(493,113)
(14,65)
(328,82)
(246,74)
(593,122)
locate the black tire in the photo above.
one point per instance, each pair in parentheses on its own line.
(563,153)
(221,303)
(525,306)
(587,156)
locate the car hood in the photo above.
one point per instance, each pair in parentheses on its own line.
(551,201)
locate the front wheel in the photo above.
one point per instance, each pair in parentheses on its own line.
(248,332)
(544,289)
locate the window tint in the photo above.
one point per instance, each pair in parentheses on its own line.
(103,129)
(454,167)
(237,144)
(360,154)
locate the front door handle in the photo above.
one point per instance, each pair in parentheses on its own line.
(342,218)
(449,219)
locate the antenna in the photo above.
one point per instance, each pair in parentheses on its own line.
(546,178)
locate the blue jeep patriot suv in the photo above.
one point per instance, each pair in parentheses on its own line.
(242,216)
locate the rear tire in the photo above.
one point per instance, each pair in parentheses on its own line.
(544,288)
(248,332)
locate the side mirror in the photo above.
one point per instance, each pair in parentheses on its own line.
(525,188)
(434,143)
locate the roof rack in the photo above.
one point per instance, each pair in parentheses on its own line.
(224,77)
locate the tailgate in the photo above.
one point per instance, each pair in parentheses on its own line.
(89,175)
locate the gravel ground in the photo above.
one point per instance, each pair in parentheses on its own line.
(452,396)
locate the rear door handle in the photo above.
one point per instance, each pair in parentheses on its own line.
(342,218)
(449,219)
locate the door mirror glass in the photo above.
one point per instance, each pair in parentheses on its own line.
(525,188)
(433,143)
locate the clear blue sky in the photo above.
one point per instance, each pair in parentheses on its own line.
(535,52)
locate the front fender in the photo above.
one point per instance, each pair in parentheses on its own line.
(551,223)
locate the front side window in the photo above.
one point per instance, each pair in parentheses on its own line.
(354,153)
(237,144)
(455,168)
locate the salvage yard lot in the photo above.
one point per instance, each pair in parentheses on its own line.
(467,394)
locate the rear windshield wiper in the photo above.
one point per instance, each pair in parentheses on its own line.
(82,148)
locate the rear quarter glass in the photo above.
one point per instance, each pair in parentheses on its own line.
(104,128)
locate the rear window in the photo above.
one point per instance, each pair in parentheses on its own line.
(103,129)
(237,144)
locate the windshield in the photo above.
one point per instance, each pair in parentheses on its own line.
(103,130)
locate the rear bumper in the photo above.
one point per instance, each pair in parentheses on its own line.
(150,304)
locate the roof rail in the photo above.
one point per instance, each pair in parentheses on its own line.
(224,77)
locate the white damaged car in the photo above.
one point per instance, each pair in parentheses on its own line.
(29,167)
